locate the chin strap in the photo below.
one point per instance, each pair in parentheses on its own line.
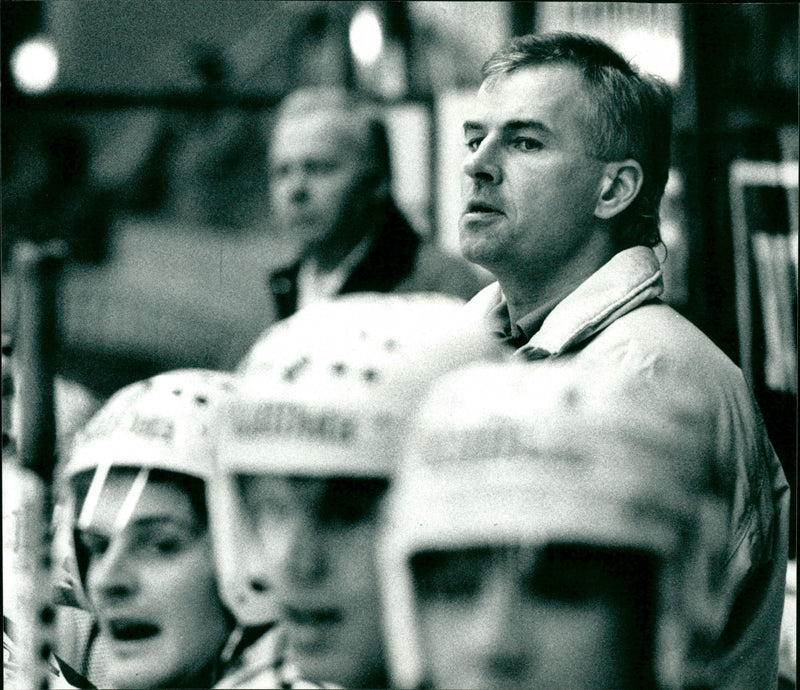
(234,640)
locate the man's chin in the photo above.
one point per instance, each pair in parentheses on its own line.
(317,667)
(479,252)
(316,244)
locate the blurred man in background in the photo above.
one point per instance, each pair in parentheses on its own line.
(330,188)
(309,454)
(568,156)
(139,478)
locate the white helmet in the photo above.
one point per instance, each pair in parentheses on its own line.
(167,422)
(518,454)
(328,392)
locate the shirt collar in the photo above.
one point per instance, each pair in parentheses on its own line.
(631,277)
(314,285)
(521,331)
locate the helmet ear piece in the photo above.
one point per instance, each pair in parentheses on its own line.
(242,587)
(81,556)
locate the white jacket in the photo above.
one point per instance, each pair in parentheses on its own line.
(614,321)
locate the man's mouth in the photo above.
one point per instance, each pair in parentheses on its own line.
(481,207)
(132,631)
(313,616)
(302,218)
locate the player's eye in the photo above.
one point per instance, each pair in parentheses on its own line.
(266,499)
(95,544)
(565,586)
(162,540)
(349,502)
(450,575)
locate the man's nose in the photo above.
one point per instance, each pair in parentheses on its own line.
(501,646)
(482,164)
(296,184)
(306,560)
(256,576)
(112,575)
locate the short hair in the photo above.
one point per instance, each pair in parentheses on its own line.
(630,115)
(360,116)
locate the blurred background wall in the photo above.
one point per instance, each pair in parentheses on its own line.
(137,133)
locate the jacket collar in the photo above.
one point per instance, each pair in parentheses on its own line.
(630,278)
(390,259)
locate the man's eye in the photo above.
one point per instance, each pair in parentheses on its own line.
(320,167)
(465,587)
(450,576)
(95,544)
(566,587)
(445,585)
(347,514)
(168,546)
(474,143)
(527,144)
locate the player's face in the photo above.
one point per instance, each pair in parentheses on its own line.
(529,189)
(153,587)
(520,619)
(319,540)
(320,181)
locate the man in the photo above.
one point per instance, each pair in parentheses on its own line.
(307,457)
(542,535)
(137,481)
(330,188)
(568,155)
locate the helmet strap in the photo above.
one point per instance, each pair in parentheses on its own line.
(93,495)
(129,504)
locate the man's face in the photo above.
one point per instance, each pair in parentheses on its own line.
(153,586)
(319,540)
(320,177)
(506,618)
(529,188)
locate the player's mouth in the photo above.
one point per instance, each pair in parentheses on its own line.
(313,616)
(312,630)
(132,630)
(302,219)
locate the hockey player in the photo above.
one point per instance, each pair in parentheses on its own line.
(540,534)
(309,452)
(138,477)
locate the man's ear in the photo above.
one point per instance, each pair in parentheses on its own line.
(621,182)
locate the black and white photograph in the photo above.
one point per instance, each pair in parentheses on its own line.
(401,344)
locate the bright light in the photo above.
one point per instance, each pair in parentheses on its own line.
(659,55)
(34,65)
(366,37)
